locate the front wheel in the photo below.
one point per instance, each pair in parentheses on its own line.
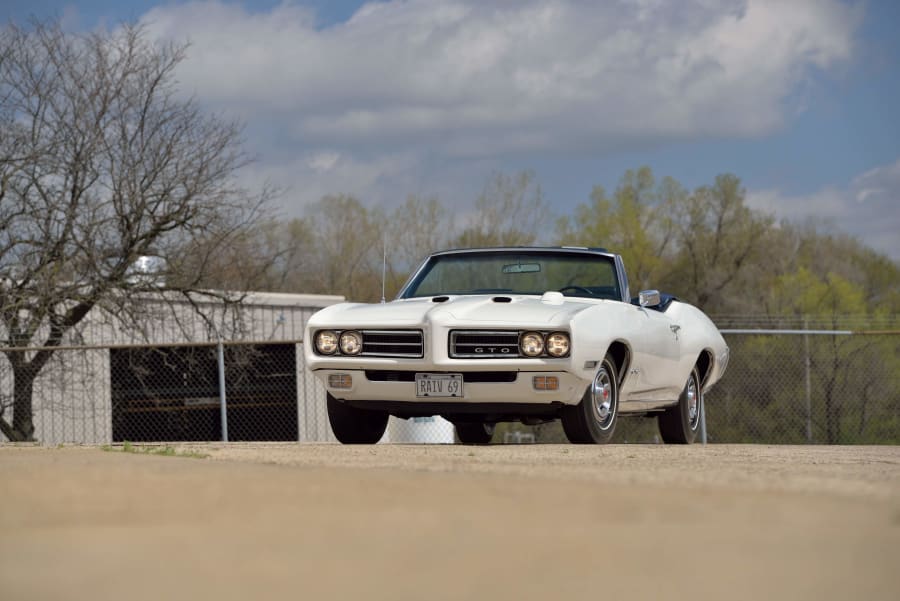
(679,424)
(355,426)
(474,432)
(593,420)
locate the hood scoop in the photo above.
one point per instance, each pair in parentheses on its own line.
(501,299)
(553,297)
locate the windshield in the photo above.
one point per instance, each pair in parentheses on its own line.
(509,272)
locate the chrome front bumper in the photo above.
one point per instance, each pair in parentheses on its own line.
(520,390)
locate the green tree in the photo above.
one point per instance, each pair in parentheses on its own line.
(824,253)
(720,242)
(835,360)
(635,223)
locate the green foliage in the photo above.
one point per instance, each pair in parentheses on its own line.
(720,240)
(636,222)
(706,246)
(805,293)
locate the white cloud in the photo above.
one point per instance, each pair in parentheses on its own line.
(324,161)
(383,181)
(306,179)
(868,207)
(880,186)
(438,81)
(528,74)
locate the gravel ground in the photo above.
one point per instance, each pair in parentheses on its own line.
(451,522)
(851,471)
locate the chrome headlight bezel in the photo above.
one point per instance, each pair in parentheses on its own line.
(558,344)
(327,342)
(531,344)
(351,343)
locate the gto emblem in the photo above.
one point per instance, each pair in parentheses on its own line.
(503,350)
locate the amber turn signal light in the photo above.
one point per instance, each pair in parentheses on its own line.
(545,383)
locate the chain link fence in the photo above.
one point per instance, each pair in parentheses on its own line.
(789,387)
(230,391)
(819,387)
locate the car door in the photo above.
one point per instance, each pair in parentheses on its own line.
(656,355)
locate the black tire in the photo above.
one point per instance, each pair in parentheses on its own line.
(474,432)
(680,423)
(355,426)
(593,420)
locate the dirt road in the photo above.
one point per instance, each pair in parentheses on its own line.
(452,522)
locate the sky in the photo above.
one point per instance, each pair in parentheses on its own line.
(380,100)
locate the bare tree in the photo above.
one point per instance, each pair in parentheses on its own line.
(268,256)
(347,251)
(510,211)
(719,237)
(101,163)
(412,231)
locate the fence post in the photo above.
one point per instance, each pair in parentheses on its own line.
(702,423)
(808,386)
(223,401)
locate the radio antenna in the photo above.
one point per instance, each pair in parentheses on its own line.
(383,264)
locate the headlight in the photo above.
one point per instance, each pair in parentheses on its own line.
(532,344)
(351,343)
(326,342)
(558,344)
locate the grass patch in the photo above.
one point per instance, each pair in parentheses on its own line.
(165,450)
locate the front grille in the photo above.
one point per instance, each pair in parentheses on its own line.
(471,377)
(474,344)
(392,343)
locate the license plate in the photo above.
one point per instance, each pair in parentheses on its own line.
(439,385)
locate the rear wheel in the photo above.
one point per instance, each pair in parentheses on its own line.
(474,432)
(593,420)
(680,424)
(352,425)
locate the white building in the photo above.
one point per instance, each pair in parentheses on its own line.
(159,379)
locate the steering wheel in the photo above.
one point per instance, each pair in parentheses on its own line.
(577,289)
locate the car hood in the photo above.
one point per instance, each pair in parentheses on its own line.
(522,310)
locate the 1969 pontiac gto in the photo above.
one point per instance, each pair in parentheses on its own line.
(481,336)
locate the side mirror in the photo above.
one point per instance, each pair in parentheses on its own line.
(648,298)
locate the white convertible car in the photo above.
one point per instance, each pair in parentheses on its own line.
(482,336)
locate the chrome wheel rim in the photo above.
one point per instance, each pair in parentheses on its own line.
(602,399)
(693,403)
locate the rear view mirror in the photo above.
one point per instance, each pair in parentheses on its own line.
(522,268)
